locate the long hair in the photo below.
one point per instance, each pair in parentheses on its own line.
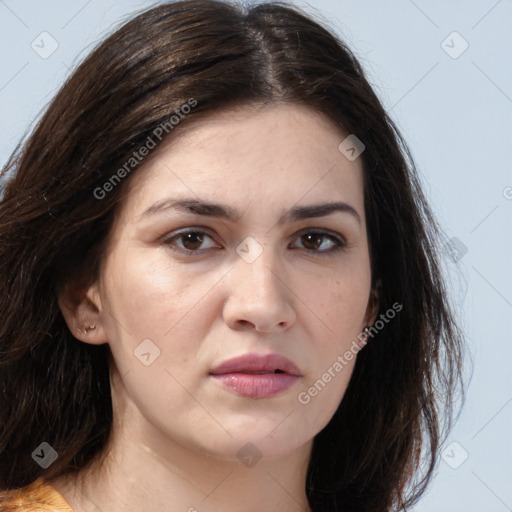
(381,447)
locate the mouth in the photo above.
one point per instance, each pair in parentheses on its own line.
(257,364)
(261,372)
(256,376)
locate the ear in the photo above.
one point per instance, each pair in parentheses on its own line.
(373,304)
(81,308)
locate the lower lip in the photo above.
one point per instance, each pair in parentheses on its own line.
(257,385)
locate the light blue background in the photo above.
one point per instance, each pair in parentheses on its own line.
(456,115)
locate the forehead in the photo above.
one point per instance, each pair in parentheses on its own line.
(258,155)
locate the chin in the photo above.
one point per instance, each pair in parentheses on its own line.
(264,442)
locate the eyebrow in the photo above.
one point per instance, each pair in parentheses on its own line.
(226,212)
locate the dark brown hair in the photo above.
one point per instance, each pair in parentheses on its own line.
(380,448)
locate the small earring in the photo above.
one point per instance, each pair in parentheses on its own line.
(90,328)
(86,329)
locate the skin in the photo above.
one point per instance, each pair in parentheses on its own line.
(176,430)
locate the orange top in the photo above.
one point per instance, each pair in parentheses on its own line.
(39,496)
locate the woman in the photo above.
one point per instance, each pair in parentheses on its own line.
(220,281)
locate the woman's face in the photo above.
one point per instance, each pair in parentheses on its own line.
(244,266)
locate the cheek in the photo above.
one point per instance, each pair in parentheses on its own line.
(342,303)
(149,298)
(152,293)
(321,394)
(342,307)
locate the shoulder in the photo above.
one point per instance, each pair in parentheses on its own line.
(39,496)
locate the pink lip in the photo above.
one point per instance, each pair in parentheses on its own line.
(257,363)
(234,374)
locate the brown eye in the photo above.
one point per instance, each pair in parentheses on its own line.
(320,242)
(190,242)
(312,240)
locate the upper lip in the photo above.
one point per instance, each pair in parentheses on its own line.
(255,363)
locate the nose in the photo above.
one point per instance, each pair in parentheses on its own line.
(259,296)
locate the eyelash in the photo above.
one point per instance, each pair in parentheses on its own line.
(340,244)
